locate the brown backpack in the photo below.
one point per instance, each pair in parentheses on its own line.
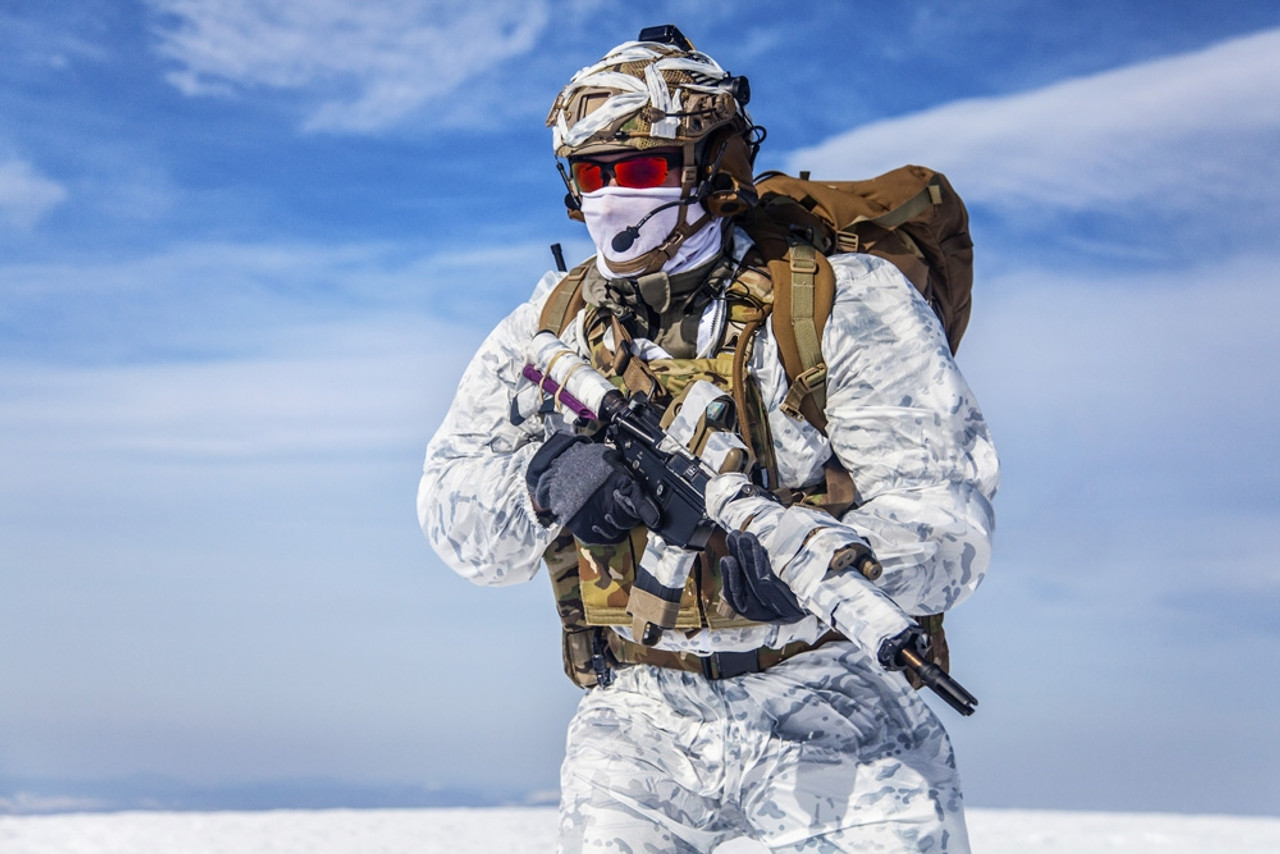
(910,216)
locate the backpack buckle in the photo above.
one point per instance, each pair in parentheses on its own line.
(804,385)
(802,261)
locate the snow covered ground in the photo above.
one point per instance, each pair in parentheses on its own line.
(530,830)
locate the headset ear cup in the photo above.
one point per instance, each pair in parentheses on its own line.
(728,154)
(725,204)
(728,197)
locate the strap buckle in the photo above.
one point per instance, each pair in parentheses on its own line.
(801,387)
(726,665)
(801,264)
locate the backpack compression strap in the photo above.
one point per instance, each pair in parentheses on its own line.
(803,291)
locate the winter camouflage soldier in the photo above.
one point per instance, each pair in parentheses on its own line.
(753,714)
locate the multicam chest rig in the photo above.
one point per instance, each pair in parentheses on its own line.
(909,216)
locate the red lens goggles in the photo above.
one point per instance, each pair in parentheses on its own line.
(641,172)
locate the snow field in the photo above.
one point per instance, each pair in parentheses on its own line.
(529,830)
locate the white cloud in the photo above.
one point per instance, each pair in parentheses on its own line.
(243,350)
(1172,131)
(1198,344)
(367,66)
(344,390)
(220,298)
(1134,418)
(26,196)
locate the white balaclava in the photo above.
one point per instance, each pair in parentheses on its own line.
(610,211)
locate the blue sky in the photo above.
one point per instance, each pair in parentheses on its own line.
(247,247)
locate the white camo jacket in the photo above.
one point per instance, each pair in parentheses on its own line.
(901,419)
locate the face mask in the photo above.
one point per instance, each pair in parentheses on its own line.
(610,211)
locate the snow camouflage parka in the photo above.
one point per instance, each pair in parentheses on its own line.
(826,751)
(901,419)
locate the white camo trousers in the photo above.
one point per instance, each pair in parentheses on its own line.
(822,753)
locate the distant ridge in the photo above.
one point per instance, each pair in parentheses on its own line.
(158,793)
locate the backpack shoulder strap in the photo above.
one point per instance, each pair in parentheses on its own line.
(565,300)
(804,286)
(803,292)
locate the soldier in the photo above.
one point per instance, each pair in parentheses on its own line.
(753,717)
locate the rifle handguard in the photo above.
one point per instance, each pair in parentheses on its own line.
(859,557)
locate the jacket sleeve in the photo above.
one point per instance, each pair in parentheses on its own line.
(473,504)
(904,423)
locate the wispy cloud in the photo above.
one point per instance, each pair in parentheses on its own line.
(26,196)
(1172,132)
(364,67)
(215,301)
(52,40)
(337,390)
(1133,418)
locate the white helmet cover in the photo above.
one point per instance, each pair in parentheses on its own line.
(642,95)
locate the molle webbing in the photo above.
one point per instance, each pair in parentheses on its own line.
(565,300)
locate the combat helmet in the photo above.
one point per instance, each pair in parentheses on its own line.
(658,91)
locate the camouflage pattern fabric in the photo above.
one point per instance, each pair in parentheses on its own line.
(473,503)
(902,420)
(824,753)
(801,542)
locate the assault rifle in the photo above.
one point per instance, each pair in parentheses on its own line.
(677,482)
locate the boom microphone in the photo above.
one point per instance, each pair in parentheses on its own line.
(623,240)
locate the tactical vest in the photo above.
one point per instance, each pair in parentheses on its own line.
(910,216)
(593,582)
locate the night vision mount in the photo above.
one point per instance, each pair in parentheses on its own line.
(665,34)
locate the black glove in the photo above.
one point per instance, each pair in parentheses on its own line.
(583,486)
(751,588)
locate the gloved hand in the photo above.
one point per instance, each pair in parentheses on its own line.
(750,586)
(583,486)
